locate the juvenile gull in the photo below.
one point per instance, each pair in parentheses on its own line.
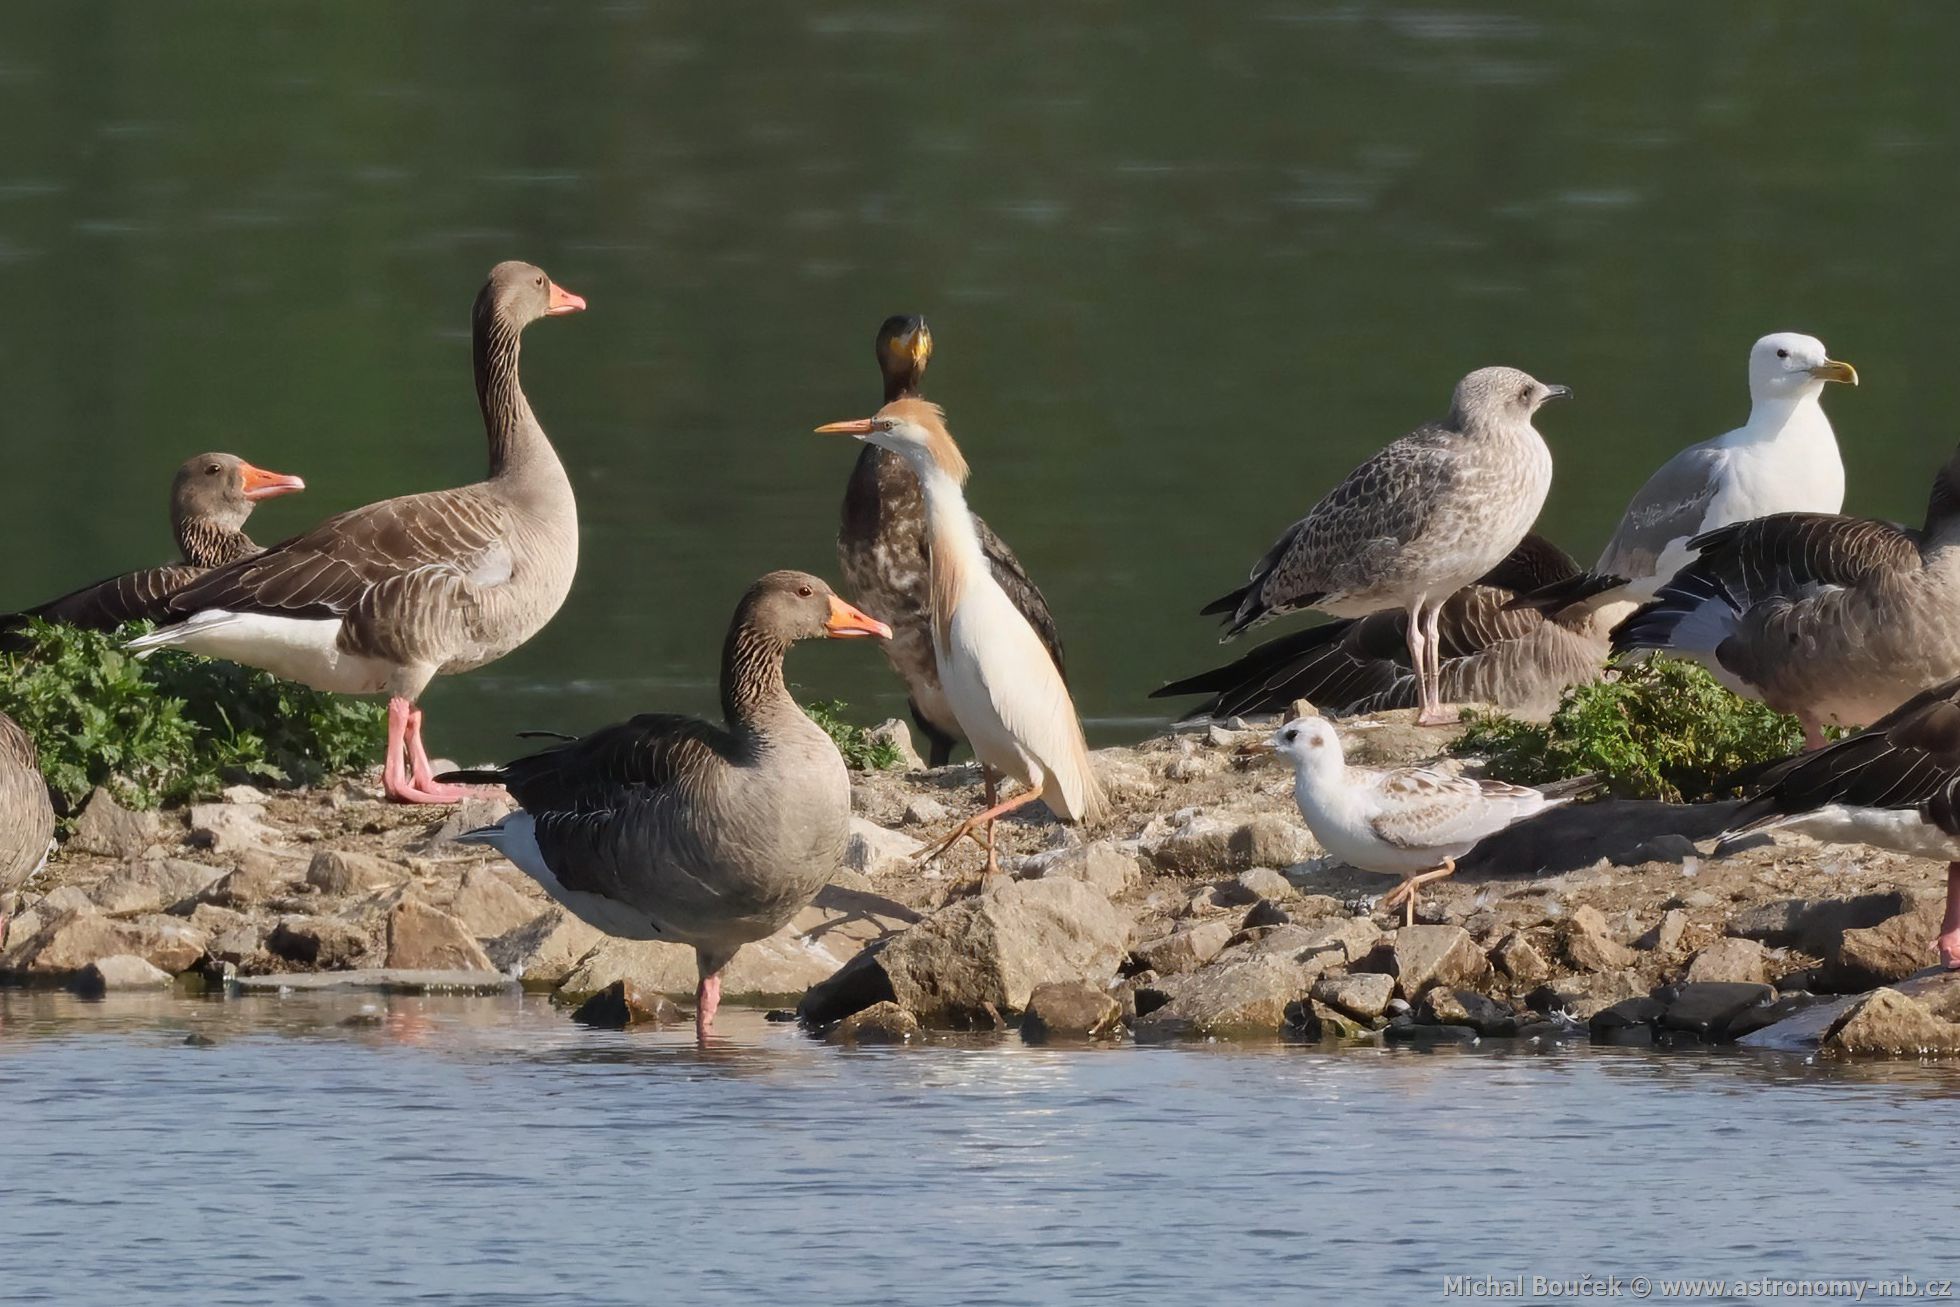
(1834,619)
(1412,822)
(1895,786)
(1784,459)
(1420,520)
(1520,659)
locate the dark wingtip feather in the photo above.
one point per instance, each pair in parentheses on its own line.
(473,776)
(1226,603)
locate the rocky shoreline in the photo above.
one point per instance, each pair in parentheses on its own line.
(1200,908)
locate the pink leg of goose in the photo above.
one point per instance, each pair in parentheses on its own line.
(404,751)
(1949,941)
(707,1000)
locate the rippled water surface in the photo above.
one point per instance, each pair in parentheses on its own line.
(333,1150)
(1185,265)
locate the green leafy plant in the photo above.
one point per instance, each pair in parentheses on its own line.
(172,728)
(1659,729)
(862,750)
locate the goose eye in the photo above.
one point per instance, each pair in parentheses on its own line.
(804,591)
(212,471)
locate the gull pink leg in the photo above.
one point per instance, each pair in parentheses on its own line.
(1949,941)
(707,999)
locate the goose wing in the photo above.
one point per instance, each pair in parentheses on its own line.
(388,570)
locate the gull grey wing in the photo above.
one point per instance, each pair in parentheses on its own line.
(1672,506)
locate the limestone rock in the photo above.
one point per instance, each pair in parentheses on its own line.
(1361,994)
(1816,925)
(1265,883)
(474,812)
(1100,863)
(423,938)
(1887,952)
(341,872)
(1069,1009)
(624,1003)
(1267,842)
(1199,842)
(229,827)
(254,884)
(544,950)
(1589,946)
(1887,1022)
(1425,956)
(318,943)
(896,733)
(119,971)
(1444,1006)
(1666,935)
(1740,961)
(1518,958)
(881,1023)
(68,943)
(488,907)
(985,956)
(106,827)
(874,851)
(1582,996)
(924,810)
(1324,1021)
(1265,913)
(1187,949)
(1254,995)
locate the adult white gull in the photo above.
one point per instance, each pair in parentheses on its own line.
(1784,459)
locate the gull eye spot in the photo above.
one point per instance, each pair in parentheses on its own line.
(1783,353)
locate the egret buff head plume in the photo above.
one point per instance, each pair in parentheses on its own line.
(913,428)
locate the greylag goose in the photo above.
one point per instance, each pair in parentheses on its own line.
(1894,786)
(1834,619)
(210,498)
(383,599)
(26,816)
(1521,660)
(1784,459)
(673,828)
(882,551)
(1410,527)
(1412,822)
(999,677)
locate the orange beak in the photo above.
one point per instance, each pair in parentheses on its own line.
(856,427)
(846,622)
(257,483)
(563,302)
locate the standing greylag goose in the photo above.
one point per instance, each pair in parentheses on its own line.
(702,833)
(1784,459)
(1835,619)
(1894,786)
(383,599)
(1423,518)
(210,498)
(26,816)
(882,550)
(1413,822)
(1000,679)
(1522,660)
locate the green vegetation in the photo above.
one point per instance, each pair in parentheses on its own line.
(172,728)
(1662,729)
(862,751)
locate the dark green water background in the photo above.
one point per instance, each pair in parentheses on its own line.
(1184,264)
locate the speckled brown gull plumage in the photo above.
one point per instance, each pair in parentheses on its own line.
(1420,520)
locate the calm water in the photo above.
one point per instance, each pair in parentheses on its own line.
(488,1150)
(1184,264)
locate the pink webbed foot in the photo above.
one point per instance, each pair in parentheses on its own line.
(406,776)
(1949,940)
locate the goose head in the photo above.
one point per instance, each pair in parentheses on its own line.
(222,488)
(520,293)
(786,607)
